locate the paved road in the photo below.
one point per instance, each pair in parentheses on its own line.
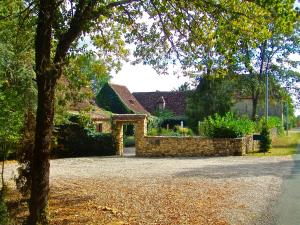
(288,207)
(129,151)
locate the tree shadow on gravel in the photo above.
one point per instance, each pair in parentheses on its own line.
(279,169)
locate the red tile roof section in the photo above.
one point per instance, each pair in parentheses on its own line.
(175,101)
(131,102)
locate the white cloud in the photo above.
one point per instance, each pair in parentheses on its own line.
(142,78)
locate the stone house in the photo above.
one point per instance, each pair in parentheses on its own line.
(243,106)
(174,101)
(117,99)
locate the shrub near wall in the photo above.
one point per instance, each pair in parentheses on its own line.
(72,140)
(273,122)
(227,126)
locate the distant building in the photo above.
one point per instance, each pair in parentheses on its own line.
(243,106)
(118,99)
(174,101)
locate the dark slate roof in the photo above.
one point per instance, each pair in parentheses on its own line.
(128,99)
(175,101)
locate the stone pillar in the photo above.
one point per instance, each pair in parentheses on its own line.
(118,137)
(140,133)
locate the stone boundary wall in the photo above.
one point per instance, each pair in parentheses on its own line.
(157,146)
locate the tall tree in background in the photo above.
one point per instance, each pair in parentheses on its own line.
(179,32)
(272,57)
(212,95)
(17,88)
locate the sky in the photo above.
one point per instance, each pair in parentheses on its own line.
(143,78)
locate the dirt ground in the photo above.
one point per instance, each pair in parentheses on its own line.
(129,190)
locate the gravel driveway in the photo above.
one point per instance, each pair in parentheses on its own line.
(220,190)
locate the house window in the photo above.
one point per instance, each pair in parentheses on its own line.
(99,127)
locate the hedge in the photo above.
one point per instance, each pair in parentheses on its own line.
(227,126)
(72,140)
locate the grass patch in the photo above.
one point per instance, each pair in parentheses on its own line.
(284,145)
(129,141)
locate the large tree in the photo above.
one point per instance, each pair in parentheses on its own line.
(213,95)
(270,57)
(163,31)
(17,89)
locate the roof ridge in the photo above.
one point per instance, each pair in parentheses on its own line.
(135,107)
(116,85)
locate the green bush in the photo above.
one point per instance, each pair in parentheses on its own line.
(265,143)
(72,140)
(176,131)
(152,123)
(4,217)
(162,132)
(173,122)
(184,131)
(227,126)
(129,141)
(273,122)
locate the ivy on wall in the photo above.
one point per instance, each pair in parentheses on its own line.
(110,101)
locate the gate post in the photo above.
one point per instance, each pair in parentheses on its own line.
(118,137)
(140,133)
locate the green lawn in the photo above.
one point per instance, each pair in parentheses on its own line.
(285,145)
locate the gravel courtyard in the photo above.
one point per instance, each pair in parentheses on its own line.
(130,190)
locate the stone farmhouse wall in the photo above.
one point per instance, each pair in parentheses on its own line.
(157,146)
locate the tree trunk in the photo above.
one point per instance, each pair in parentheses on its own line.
(255,98)
(40,162)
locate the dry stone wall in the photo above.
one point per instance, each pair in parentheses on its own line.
(156,146)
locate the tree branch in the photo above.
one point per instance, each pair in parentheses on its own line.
(81,17)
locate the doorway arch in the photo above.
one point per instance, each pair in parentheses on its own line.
(140,123)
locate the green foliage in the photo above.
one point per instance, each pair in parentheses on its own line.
(213,95)
(172,122)
(184,87)
(265,143)
(272,56)
(85,70)
(75,141)
(84,76)
(163,114)
(129,141)
(207,32)
(4,216)
(195,32)
(24,155)
(176,131)
(273,122)
(164,117)
(152,123)
(17,89)
(290,108)
(163,132)
(227,126)
(110,101)
(128,129)
(184,131)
